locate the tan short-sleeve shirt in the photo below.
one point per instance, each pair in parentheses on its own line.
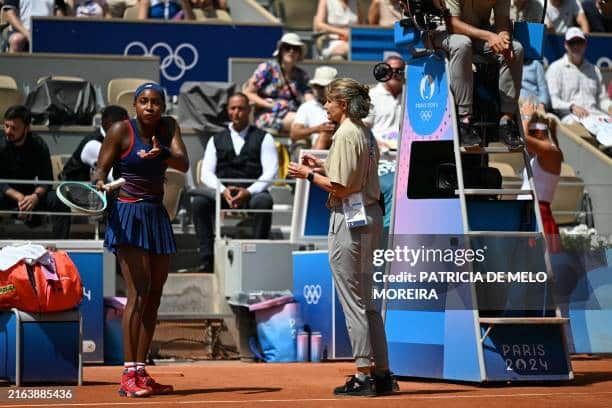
(478,12)
(353,163)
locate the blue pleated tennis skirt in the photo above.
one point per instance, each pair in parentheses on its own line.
(143,224)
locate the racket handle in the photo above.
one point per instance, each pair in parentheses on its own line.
(114,184)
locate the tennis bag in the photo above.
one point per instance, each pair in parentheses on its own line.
(29,288)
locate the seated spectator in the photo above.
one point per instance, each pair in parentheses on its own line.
(89,8)
(241,151)
(526,10)
(534,84)
(469,33)
(83,160)
(333,18)
(385,115)
(576,86)
(117,7)
(384,13)
(19,13)
(159,9)
(278,87)
(25,156)
(211,8)
(563,14)
(311,124)
(599,15)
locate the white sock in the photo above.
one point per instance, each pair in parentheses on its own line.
(140,366)
(360,376)
(129,366)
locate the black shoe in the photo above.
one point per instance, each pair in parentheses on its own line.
(509,135)
(386,383)
(357,388)
(468,135)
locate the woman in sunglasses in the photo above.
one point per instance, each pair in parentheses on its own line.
(278,87)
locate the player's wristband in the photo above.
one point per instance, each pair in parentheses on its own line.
(310,176)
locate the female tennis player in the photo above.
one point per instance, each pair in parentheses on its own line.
(546,162)
(139,230)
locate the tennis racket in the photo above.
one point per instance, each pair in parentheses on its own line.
(84,197)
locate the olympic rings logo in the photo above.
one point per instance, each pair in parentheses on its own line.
(168,57)
(312,294)
(426,115)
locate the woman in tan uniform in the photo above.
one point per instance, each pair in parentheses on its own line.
(350,175)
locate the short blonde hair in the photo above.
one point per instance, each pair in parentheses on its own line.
(356,96)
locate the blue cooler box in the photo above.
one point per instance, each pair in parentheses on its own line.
(40,348)
(313,288)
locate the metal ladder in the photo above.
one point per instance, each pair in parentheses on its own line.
(490,322)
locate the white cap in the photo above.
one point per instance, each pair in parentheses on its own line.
(291,39)
(574,32)
(323,76)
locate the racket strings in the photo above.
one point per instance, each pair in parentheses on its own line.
(82,197)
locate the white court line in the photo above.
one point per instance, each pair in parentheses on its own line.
(400,397)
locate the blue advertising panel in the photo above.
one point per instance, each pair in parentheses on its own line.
(313,288)
(187,51)
(90,267)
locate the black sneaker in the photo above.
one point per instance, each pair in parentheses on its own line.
(355,387)
(468,136)
(385,383)
(509,134)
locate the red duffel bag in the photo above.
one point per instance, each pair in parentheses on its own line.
(16,289)
(27,287)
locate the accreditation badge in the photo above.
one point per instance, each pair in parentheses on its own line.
(354,210)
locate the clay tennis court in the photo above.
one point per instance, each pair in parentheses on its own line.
(236,384)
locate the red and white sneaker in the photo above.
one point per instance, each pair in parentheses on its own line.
(129,386)
(146,381)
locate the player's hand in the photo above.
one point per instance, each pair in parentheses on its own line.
(528,109)
(154,152)
(241,196)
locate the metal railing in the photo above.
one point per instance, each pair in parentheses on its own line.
(218,198)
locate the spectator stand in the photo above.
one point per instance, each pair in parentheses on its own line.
(181,58)
(598,52)
(100,70)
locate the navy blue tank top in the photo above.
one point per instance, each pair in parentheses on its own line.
(144,178)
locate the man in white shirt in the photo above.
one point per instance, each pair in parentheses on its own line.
(241,151)
(576,86)
(311,124)
(385,114)
(19,13)
(563,14)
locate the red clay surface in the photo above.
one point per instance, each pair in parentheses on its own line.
(233,384)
